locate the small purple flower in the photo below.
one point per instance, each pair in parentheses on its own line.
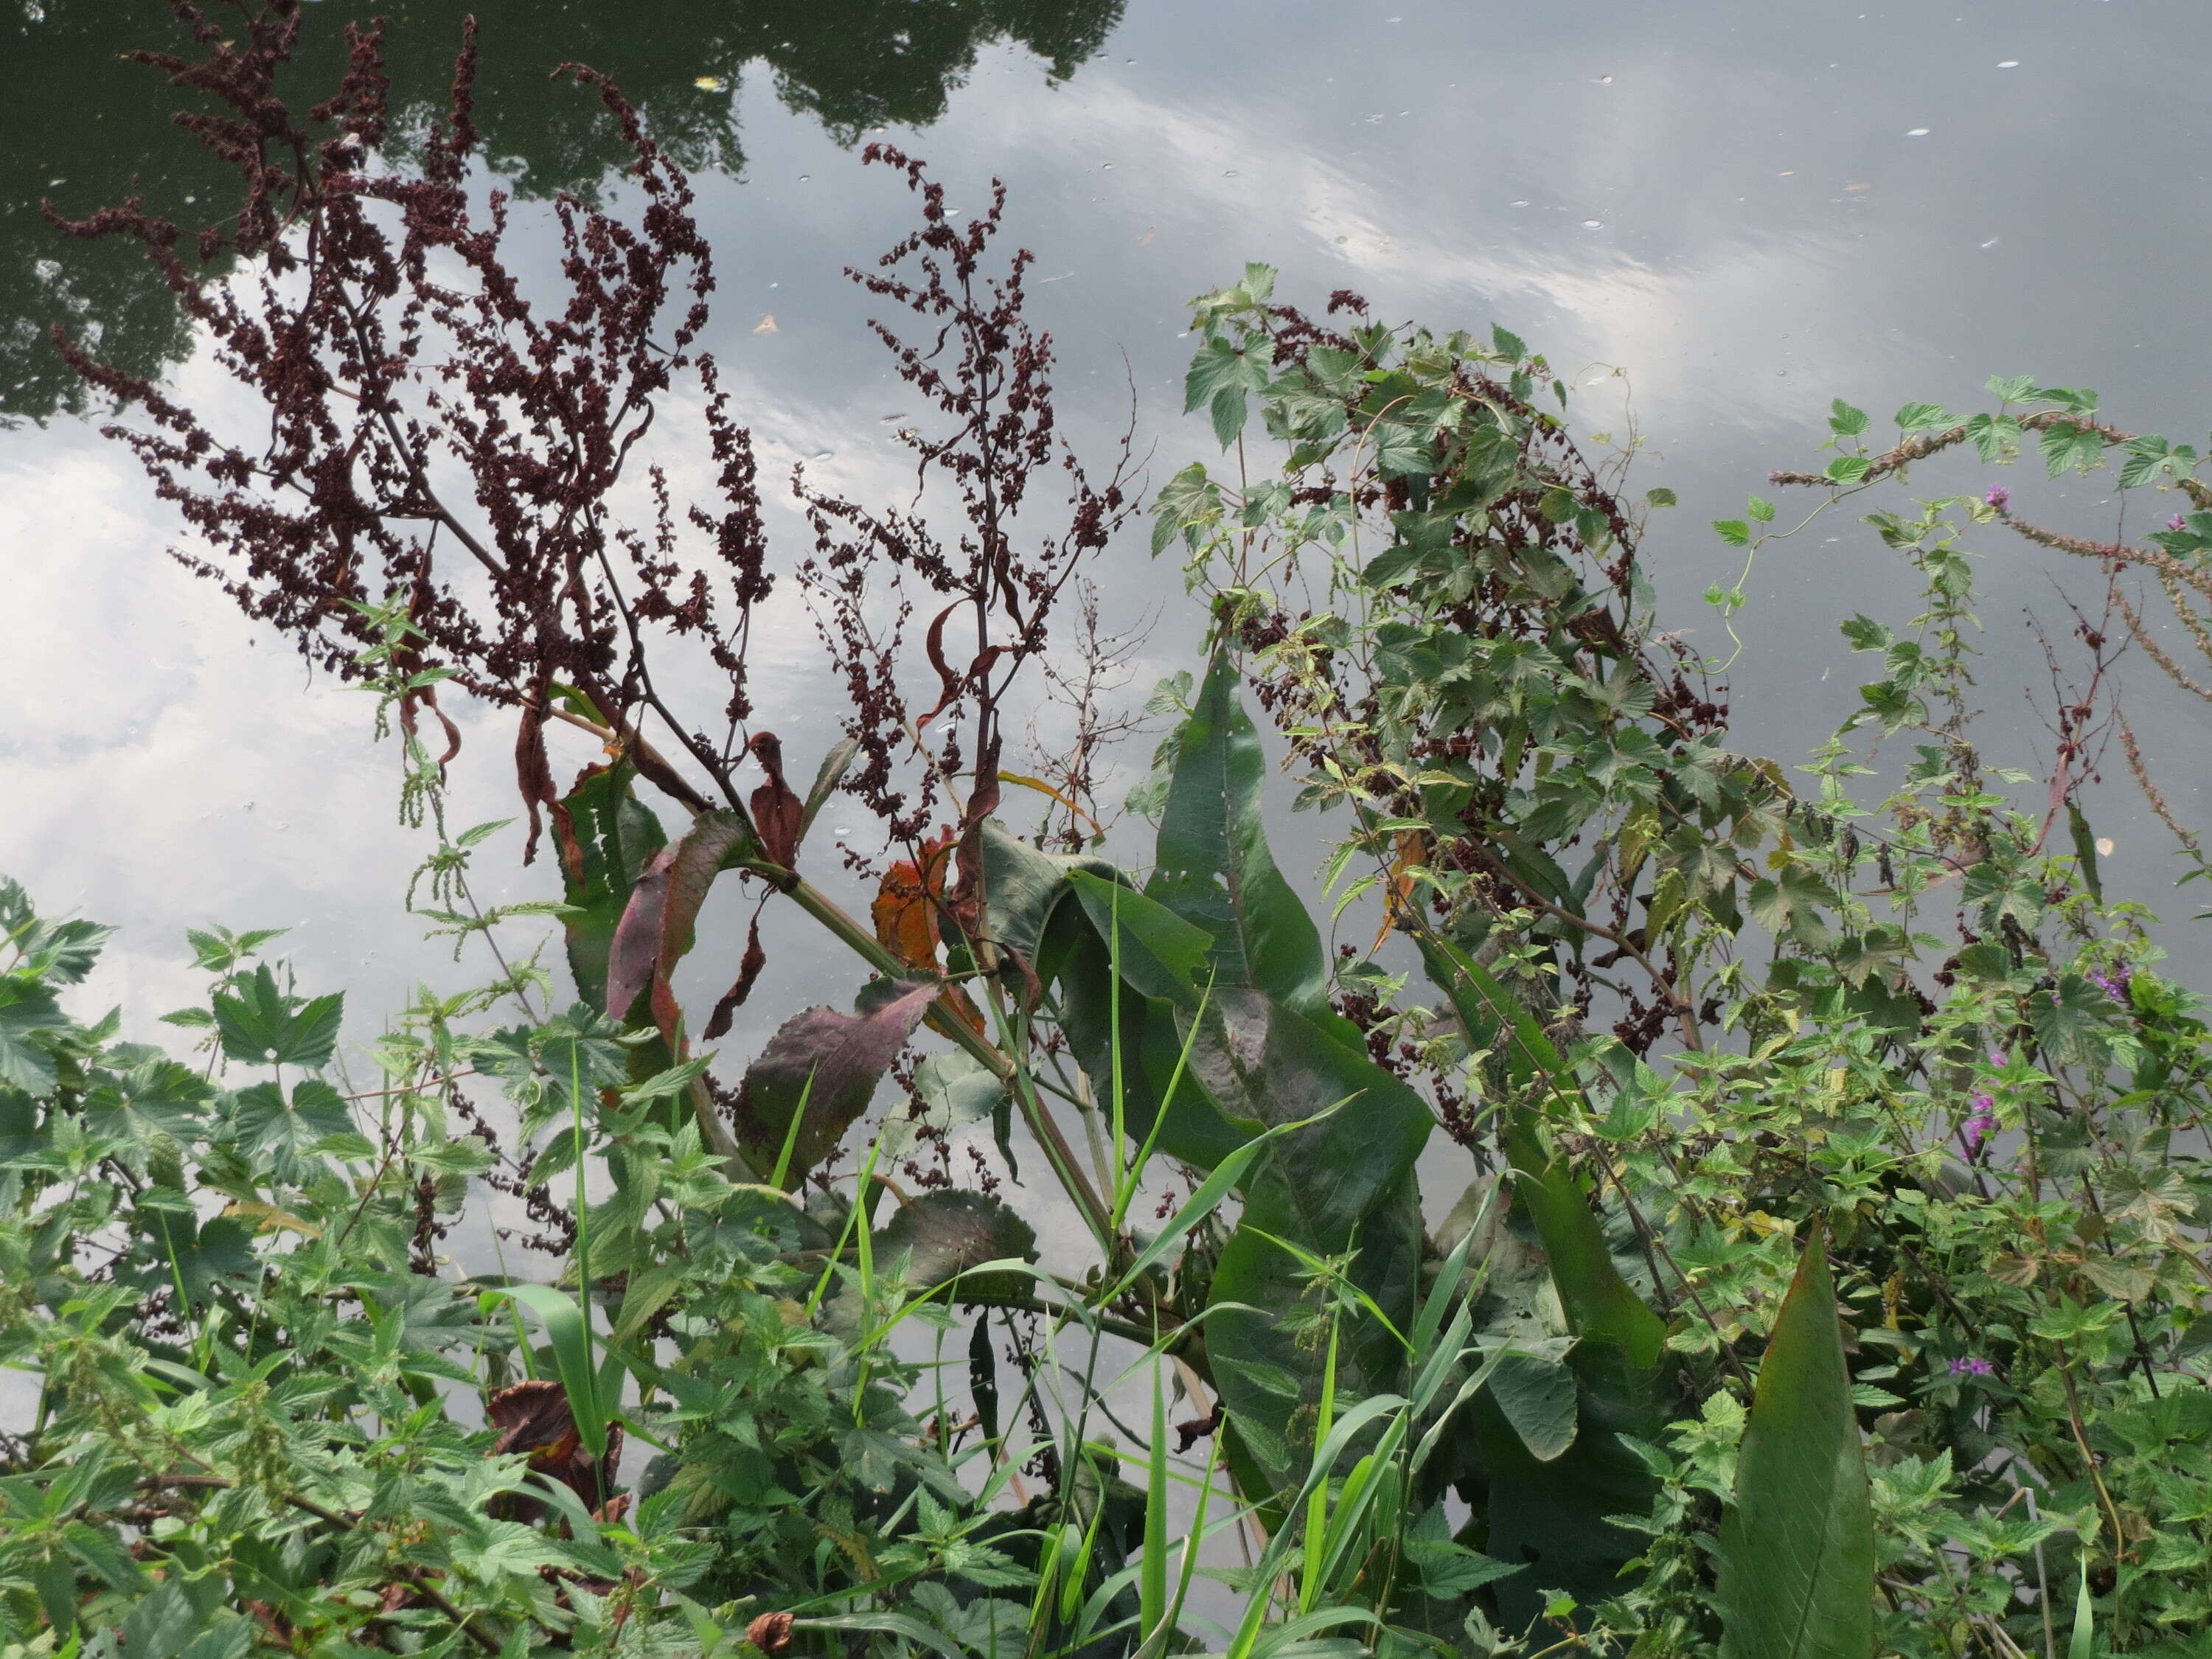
(1998,1059)
(2177,522)
(1979,1125)
(1973,1366)
(2115,984)
(1999,497)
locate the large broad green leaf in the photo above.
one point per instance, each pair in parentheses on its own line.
(1160,954)
(821,1068)
(943,1234)
(1552,1514)
(939,1238)
(1073,957)
(1214,869)
(1536,1395)
(1598,1300)
(1797,1552)
(1024,886)
(615,834)
(1268,1049)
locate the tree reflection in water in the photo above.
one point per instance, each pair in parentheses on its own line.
(85,129)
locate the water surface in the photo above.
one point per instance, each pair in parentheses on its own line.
(1749,208)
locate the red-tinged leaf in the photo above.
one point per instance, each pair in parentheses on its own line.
(948,682)
(659,923)
(636,947)
(964,903)
(778,814)
(535,1418)
(843,1054)
(904,909)
(748,972)
(533,775)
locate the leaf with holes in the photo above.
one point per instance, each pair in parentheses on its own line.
(262,1025)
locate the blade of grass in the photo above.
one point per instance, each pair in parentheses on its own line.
(567,1334)
(1206,1200)
(1153,1587)
(1158,1641)
(791,1130)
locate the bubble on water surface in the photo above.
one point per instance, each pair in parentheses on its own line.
(1593,224)
(2010,63)
(1915,132)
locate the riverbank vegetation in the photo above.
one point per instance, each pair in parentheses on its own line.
(1829,1281)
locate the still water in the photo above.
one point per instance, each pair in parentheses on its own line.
(1748,206)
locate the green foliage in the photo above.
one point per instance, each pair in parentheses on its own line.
(1797,1554)
(1989,1117)
(1830,1280)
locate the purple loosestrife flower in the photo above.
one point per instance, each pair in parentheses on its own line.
(2177,522)
(1973,1366)
(1999,497)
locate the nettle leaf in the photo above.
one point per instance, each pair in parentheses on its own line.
(267,1123)
(1919,417)
(1864,633)
(26,1009)
(1219,378)
(2068,444)
(833,1061)
(262,1025)
(1794,903)
(156,1097)
(219,951)
(1187,503)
